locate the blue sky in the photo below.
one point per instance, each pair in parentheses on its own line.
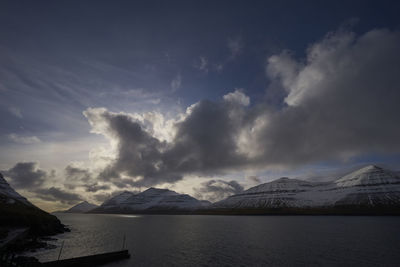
(60,61)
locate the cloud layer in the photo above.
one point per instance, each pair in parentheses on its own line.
(340,102)
(57,194)
(26,175)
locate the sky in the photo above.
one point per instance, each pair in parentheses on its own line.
(207,98)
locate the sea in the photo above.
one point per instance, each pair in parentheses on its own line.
(211,240)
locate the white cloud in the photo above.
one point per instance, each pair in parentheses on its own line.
(24,139)
(16,112)
(176,82)
(237,97)
(202,64)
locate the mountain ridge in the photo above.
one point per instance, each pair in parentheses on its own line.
(16,210)
(81,207)
(367,188)
(150,200)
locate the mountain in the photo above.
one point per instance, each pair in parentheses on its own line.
(81,207)
(369,186)
(114,202)
(17,211)
(9,195)
(283,192)
(368,189)
(153,200)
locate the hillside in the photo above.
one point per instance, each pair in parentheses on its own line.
(153,200)
(368,190)
(17,211)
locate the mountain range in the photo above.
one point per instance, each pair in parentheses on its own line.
(152,200)
(369,190)
(81,207)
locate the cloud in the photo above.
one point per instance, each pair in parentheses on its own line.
(27,140)
(76,176)
(101,197)
(203,141)
(57,194)
(16,112)
(341,102)
(96,187)
(139,153)
(26,175)
(215,190)
(176,82)
(202,64)
(74,173)
(253,179)
(237,97)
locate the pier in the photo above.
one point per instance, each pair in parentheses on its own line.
(91,260)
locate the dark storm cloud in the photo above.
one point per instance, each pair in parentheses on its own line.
(342,101)
(81,177)
(136,146)
(26,175)
(204,141)
(57,194)
(73,173)
(96,187)
(215,190)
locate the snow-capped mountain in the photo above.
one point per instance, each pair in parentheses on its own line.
(153,199)
(16,210)
(370,186)
(115,201)
(283,192)
(9,195)
(82,207)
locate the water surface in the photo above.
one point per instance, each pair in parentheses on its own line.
(186,240)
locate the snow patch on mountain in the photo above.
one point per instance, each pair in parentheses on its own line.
(367,176)
(10,195)
(82,207)
(368,186)
(153,199)
(115,201)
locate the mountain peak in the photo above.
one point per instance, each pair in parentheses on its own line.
(9,192)
(281,184)
(154,199)
(368,175)
(118,199)
(82,207)
(370,167)
(283,179)
(153,190)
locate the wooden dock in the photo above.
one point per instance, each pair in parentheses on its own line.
(92,260)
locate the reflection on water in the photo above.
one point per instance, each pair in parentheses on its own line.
(173,240)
